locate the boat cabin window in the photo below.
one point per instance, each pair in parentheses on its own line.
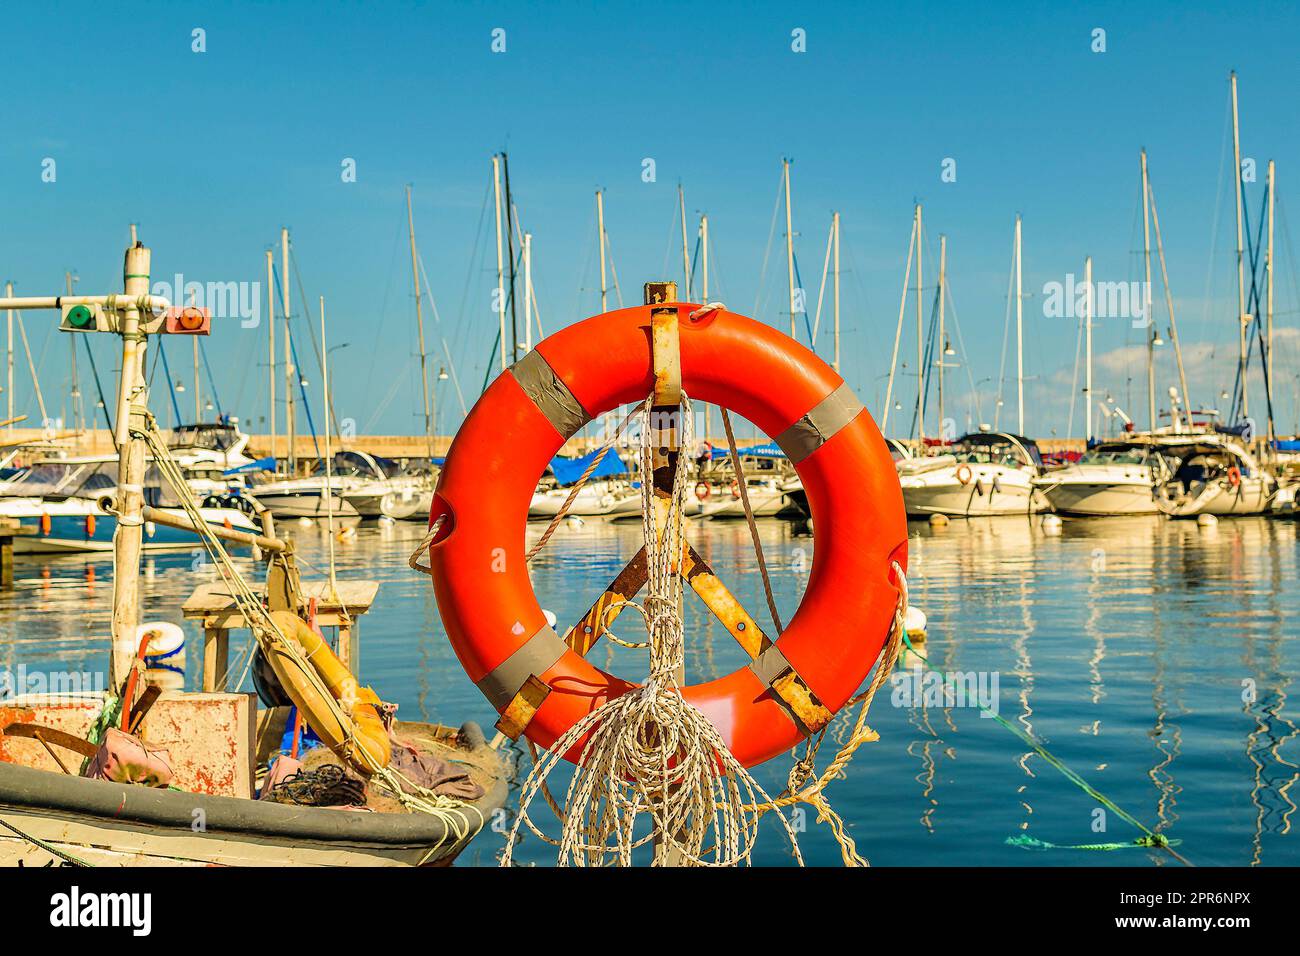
(1114,456)
(211,437)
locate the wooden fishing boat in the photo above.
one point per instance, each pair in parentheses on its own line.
(51,817)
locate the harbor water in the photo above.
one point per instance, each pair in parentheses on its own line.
(1154,658)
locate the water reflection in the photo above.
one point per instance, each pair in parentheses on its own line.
(1122,644)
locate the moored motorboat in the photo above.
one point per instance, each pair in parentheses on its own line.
(1114,478)
(985,473)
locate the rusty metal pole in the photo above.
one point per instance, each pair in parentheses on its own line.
(665,420)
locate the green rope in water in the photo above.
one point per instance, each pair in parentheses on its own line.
(1142,842)
(1150,839)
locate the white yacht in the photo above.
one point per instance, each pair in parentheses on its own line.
(1215,475)
(358,485)
(1114,478)
(984,473)
(61,501)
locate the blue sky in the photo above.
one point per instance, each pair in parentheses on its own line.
(211,153)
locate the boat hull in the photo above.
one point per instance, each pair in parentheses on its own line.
(114,824)
(1252,496)
(309,503)
(70,532)
(1097,499)
(1007,492)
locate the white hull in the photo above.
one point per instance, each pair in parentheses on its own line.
(1101,498)
(590,501)
(989,490)
(383,502)
(1251,496)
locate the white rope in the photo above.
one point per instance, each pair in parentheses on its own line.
(649,751)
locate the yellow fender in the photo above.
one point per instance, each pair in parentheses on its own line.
(360,738)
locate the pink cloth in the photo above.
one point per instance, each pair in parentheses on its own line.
(122,758)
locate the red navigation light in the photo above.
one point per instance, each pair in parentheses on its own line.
(187,320)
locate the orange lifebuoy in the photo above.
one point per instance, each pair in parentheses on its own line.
(963,474)
(45,524)
(735,489)
(703,490)
(494,621)
(1234,476)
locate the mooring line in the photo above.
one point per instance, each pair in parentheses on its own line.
(1150,839)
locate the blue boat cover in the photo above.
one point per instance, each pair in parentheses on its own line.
(766,450)
(1292,444)
(569,470)
(262,464)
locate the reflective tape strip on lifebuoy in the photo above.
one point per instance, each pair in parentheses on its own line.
(491,614)
(963,474)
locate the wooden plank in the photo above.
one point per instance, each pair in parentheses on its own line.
(216,657)
(583,635)
(355,597)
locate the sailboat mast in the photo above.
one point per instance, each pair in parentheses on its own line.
(419,323)
(1268,300)
(289,371)
(686,256)
(510,256)
(528,291)
(501,288)
(789,242)
(1146,297)
(920,338)
(898,330)
(1087,333)
(835,224)
(270,341)
(197,410)
(1241,265)
(600,238)
(704,298)
(942,344)
(1020,340)
(1169,299)
(9,385)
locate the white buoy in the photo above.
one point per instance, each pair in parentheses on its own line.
(915,622)
(551,619)
(386,521)
(305,522)
(1206,521)
(574,521)
(166,643)
(1051,524)
(938,521)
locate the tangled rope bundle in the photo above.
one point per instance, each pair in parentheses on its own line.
(649,751)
